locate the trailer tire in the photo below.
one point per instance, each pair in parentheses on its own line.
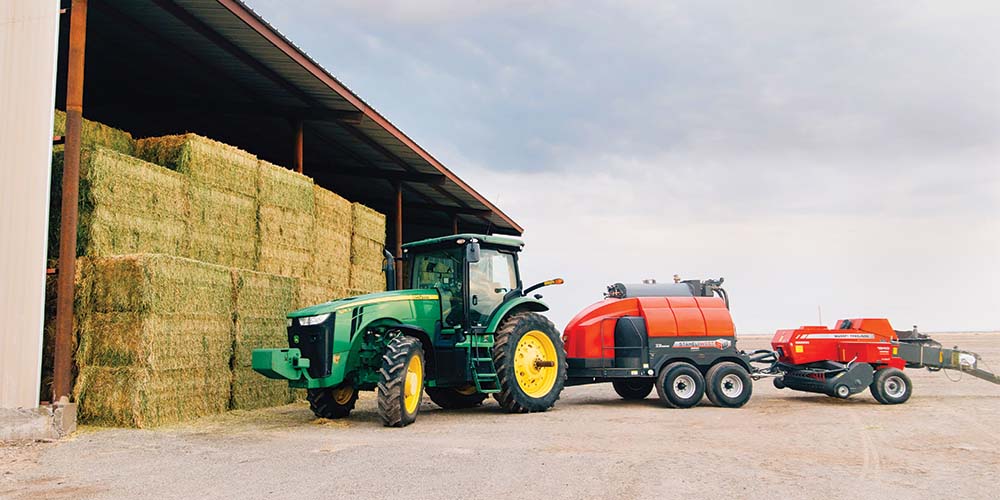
(680,385)
(401,382)
(453,398)
(778,382)
(840,391)
(891,386)
(527,387)
(332,402)
(633,388)
(728,385)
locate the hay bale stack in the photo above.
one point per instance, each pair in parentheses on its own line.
(331,244)
(367,244)
(262,300)
(285,217)
(222,227)
(126,206)
(155,336)
(96,134)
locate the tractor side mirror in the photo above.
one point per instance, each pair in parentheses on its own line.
(472,252)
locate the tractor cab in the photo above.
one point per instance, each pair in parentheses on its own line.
(474,275)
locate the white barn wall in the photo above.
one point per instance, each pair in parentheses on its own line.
(28,48)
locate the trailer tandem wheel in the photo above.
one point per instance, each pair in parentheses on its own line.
(728,385)
(633,388)
(680,385)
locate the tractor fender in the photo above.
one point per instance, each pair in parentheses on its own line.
(514,306)
(411,330)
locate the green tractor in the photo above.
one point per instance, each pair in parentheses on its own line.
(463,328)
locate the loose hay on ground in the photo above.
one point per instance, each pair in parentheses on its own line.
(262,300)
(286,217)
(332,239)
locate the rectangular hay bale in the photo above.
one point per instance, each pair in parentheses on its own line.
(222,228)
(252,390)
(310,293)
(154,311)
(204,161)
(141,397)
(262,300)
(368,222)
(96,134)
(285,218)
(331,239)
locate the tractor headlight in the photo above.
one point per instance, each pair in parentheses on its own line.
(314,320)
(290,322)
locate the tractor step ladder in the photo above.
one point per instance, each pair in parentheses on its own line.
(484,374)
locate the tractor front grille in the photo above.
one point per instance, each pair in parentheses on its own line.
(316,344)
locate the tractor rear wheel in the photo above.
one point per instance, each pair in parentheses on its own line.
(401,383)
(680,385)
(633,388)
(456,398)
(332,402)
(530,362)
(728,385)
(891,386)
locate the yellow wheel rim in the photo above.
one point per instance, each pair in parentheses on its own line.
(535,364)
(413,384)
(342,395)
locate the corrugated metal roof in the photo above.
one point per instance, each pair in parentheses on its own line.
(194,65)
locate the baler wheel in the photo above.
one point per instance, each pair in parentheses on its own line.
(891,386)
(728,385)
(401,383)
(680,385)
(455,398)
(633,388)
(332,402)
(530,362)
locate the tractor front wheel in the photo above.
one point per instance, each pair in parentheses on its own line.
(456,398)
(530,362)
(332,402)
(633,388)
(401,383)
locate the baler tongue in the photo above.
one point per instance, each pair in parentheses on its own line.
(924,352)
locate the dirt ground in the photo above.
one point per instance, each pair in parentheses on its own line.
(942,443)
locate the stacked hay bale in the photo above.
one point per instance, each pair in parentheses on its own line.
(367,244)
(285,218)
(222,221)
(155,339)
(262,300)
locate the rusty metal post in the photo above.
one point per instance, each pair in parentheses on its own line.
(399,234)
(65,287)
(454,224)
(298,146)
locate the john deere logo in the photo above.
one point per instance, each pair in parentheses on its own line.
(295,339)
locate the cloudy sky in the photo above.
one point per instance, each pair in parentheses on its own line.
(833,157)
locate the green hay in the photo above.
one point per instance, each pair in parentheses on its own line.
(126,206)
(368,223)
(222,228)
(285,218)
(310,293)
(154,311)
(262,300)
(366,280)
(251,390)
(94,134)
(331,239)
(204,161)
(140,397)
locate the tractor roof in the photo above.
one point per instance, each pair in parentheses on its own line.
(503,241)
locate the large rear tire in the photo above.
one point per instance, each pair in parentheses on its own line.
(332,402)
(891,386)
(530,361)
(680,385)
(454,398)
(728,385)
(633,388)
(401,383)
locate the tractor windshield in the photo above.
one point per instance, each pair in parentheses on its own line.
(442,270)
(489,280)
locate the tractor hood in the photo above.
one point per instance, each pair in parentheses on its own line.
(361,300)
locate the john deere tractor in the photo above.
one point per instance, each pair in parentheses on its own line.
(464,327)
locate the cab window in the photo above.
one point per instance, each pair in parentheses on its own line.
(441,270)
(489,280)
